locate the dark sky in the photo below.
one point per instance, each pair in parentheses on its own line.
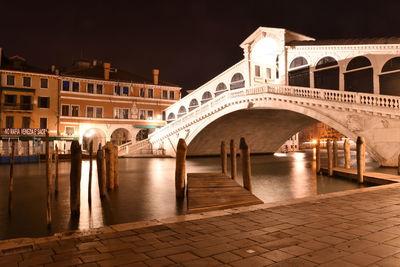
(189,41)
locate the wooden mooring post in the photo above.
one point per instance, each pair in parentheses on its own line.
(335,154)
(116,167)
(180,169)
(318,156)
(49,178)
(90,172)
(56,167)
(347,156)
(233,159)
(398,165)
(11,179)
(360,159)
(110,165)
(75,178)
(101,171)
(246,163)
(330,157)
(224,158)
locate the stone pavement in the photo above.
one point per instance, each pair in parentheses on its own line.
(353,228)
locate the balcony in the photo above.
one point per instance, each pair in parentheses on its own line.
(17,107)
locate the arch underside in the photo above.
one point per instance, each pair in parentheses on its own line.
(265,130)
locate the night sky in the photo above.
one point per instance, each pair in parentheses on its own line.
(189,41)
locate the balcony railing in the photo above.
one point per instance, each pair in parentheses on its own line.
(16,107)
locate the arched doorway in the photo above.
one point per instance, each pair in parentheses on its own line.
(120,136)
(389,80)
(142,134)
(96,135)
(299,72)
(326,74)
(237,81)
(359,76)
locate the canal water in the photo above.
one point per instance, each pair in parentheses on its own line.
(146,191)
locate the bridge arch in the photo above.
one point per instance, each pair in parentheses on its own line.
(326,74)
(171,117)
(193,104)
(359,75)
(389,79)
(237,81)
(207,96)
(221,88)
(182,111)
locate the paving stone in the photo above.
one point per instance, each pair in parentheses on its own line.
(389,262)
(293,262)
(182,257)
(209,251)
(339,262)
(70,262)
(361,259)
(277,255)
(168,251)
(95,257)
(204,262)
(324,255)
(253,261)
(380,236)
(355,245)
(296,250)
(163,261)
(125,259)
(227,257)
(382,250)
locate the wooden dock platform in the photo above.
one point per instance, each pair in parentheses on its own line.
(369,177)
(213,191)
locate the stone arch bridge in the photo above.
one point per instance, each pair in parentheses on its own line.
(268,115)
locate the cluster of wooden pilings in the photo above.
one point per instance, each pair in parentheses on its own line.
(332,152)
(107,172)
(180,170)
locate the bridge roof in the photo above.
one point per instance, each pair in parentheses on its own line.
(353,41)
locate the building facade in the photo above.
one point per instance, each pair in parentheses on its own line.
(102,103)
(92,101)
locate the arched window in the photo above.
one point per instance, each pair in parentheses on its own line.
(207,96)
(300,73)
(298,62)
(326,75)
(221,88)
(389,80)
(171,117)
(359,76)
(182,111)
(193,104)
(142,134)
(237,81)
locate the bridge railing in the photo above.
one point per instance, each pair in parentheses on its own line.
(131,147)
(383,101)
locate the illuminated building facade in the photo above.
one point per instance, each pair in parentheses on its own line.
(102,103)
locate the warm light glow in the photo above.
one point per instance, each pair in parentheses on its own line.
(314,141)
(90,133)
(265,51)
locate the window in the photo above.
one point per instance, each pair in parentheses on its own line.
(90,88)
(26,81)
(150,93)
(64,110)
(10,80)
(9,122)
(145,114)
(141,92)
(89,112)
(121,113)
(165,94)
(74,111)
(269,74)
(117,90)
(43,123)
(10,100)
(65,85)
(69,130)
(26,122)
(26,102)
(171,95)
(75,86)
(125,90)
(44,83)
(43,102)
(99,112)
(99,89)
(257,71)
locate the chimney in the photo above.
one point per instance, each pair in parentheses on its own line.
(155,76)
(107,67)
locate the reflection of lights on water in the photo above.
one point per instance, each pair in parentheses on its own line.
(90,217)
(314,141)
(314,153)
(298,156)
(280,155)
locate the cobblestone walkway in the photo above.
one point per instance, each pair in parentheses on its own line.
(357,228)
